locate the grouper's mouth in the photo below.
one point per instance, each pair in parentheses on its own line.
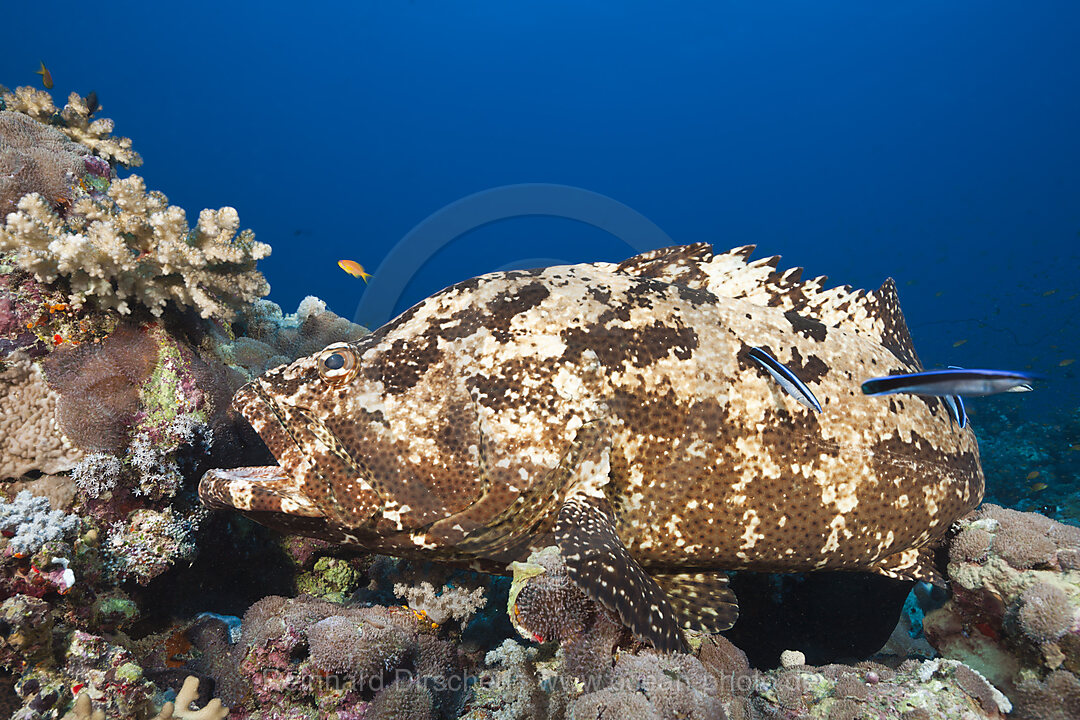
(265,488)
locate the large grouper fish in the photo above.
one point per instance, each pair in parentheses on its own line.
(624,413)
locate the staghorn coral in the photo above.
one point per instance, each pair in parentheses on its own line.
(74,120)
(30,434)
(37,158)
(1015,603)
(131,245)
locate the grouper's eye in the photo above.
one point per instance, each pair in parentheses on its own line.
(337,363)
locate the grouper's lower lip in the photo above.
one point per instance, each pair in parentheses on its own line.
(220,489)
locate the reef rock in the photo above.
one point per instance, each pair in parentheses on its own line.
(1015,611)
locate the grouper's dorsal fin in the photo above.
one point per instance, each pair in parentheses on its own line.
(874,315)
(679,265)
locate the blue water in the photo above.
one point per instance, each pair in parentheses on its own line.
(932,142)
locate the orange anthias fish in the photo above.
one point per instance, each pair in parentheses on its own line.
(354,268)
(46,77)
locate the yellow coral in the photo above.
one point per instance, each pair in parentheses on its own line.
(135,246)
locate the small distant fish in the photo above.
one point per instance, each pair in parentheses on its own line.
(1075,448)
(1038,487)
(92,104)
(1033,474)
(354,268)
(46,76)
(1066,362)
(795,387)
(1048,293)
(954,381)
(958,343)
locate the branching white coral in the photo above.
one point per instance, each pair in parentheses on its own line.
(134,246)
(455,603)
(97,474)
(76,122)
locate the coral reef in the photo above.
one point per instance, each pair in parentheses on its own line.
(30,435)
(1031,465)
(37,158)
(28,522)
(131,245)
(1015,611)
(75,120)
(270,338)
(917,690)
(448,603)
(65,215)
(299,656)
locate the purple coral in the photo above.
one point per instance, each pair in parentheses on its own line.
(97,166)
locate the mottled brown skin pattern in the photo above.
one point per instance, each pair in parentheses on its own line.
(464,424)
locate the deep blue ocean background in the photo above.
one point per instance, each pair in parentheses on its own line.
(932,142)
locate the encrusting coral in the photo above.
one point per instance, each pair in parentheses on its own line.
(1014,614)
(30,435)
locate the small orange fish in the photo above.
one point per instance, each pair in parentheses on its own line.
(958,343)
(354,268)
(1033,474)
(46,76)
(1038,487)
(1066,362)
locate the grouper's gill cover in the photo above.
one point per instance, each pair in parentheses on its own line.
(614,410)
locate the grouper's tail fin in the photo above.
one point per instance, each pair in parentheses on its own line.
(873,314)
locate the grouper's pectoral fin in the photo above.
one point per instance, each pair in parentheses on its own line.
(911,564)
(598,562)
(702,600)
